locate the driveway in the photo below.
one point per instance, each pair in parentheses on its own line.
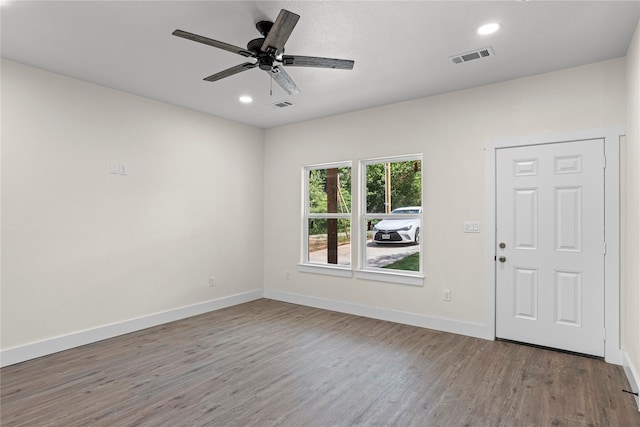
(377,255)
(381,255)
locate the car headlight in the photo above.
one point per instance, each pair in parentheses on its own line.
(375,228)
(407,228)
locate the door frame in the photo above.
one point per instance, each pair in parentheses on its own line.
(611,136)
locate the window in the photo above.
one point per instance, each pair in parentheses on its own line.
(391,231)
(327,222)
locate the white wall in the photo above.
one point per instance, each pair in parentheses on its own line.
(630,293)
(82,248)
(451,131)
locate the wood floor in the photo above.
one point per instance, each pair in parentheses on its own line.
(268,363)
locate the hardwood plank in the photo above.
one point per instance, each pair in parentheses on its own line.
(268,363)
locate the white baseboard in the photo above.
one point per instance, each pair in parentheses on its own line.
(25,352)
(477,330)
(632,375)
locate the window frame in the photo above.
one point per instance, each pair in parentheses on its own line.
(305,265)
(358,223)
(377,273)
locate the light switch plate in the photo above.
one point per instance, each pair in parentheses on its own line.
(114,168)
(472,226)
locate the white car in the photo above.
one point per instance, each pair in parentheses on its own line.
(401,230)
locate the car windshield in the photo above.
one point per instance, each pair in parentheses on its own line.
(405,211)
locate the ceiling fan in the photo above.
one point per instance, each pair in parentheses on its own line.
(268,50)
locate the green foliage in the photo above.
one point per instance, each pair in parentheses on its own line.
(317,193)
(319,226)
(375,188)
(409,263)
(318,198)
(406,190)
(406,185)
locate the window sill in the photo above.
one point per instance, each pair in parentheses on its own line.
(379,276)
(328,270)
(383,276)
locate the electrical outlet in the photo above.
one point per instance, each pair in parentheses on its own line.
(212,281)
(446,295)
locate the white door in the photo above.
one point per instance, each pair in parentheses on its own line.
(550,238)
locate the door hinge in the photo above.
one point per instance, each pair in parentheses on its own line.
(604,248)
(604,162)
(604,334)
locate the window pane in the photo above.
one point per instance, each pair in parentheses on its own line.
(330,190)
(376,188)
(330,241)
(394,259)
(393,188)
(392,185)
(394,244)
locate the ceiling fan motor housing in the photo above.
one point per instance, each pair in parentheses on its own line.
(255,45)
(265,59)
(265,62)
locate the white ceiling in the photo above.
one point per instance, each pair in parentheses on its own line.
(401,49)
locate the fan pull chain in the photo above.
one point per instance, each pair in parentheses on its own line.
(270,86)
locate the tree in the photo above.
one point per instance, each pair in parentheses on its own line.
(406,185)
(318,202)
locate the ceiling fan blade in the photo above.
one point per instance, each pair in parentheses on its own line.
(284,80)
(215,43)
(230,71)
(280,32)
(312,61)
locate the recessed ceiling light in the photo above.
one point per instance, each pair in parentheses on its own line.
(246,99)
(488,28)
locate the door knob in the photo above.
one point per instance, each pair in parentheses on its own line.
(502,245)
(502,259)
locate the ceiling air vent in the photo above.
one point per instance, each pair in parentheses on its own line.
(281,104)
(473,55)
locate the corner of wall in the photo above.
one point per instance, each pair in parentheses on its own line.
(632,376)
(631,283)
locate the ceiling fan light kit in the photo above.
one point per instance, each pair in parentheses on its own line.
(268,50)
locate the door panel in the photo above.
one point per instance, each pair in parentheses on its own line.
(550,216)
(526,293)
(526,218)
(568,218)
(568,297)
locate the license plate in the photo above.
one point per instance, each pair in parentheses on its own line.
(386,237)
